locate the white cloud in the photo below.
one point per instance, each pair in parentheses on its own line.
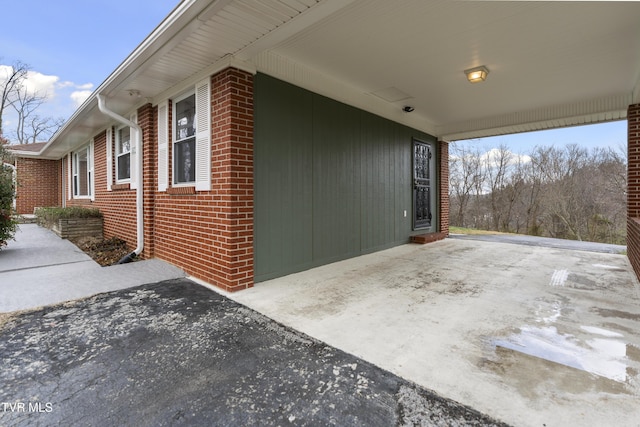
(491,157)
(86,86)
(81,93)
(34,82)
(79,96)
(50,86)
(41,84)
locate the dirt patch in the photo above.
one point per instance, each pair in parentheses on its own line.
(103,251)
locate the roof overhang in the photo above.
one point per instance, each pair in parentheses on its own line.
(551,64)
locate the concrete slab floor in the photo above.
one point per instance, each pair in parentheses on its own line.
(531,336)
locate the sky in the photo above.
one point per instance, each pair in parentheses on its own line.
(611,134)
(72,46)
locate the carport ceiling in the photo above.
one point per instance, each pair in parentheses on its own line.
(552,64)
(544,58)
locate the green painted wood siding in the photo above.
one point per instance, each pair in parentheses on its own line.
(331,181)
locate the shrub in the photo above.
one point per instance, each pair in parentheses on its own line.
(8,223)
(48,216)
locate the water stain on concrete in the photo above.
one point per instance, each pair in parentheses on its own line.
(574,358)
(604,357)
(582,282)
(608,312)
(534,377)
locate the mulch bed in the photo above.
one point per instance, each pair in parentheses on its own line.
(104,251)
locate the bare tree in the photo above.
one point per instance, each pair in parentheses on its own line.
(567,192)
(531,195)
(30,125)
(497,166)
(42,128)
(514,218)
(465,174)
(11,83)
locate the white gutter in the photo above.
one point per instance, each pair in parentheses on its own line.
(138,150)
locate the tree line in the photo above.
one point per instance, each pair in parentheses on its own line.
(568,193)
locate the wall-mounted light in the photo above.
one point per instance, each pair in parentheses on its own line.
(407,108)
(477,74)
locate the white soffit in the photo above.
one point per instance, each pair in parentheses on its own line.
(392,94)
(546,59)
(551,63)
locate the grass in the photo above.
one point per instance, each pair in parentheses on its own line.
(462,230)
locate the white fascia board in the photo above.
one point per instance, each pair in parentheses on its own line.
(592,111)
(31,154)
(184,14)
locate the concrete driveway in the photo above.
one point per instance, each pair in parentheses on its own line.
(38,268)
(533,336)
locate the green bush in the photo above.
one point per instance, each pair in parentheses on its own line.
(8,223)
(48,216)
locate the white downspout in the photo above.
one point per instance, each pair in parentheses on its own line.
(139,201)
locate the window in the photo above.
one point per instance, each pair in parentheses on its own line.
(184,146)
(123,154)
(189,131)
(82,172)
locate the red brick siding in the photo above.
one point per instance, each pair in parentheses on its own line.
(633,187)
(633,243)
(443,182)
(210,233)
(148,121)
(117,206)
(38,184)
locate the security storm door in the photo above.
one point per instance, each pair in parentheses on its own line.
(422,184)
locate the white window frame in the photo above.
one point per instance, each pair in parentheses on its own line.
(175,141)
(109,145)
(201,148)
(163,146)
(76,174)
(120,155)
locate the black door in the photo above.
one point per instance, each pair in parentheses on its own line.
(422,154)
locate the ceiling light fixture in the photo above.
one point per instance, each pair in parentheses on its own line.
(477,74)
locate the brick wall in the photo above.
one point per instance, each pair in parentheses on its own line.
(148,121)
(38,184)
(633,187)
(210,233)
(118,205)
(443,181)
(70,228)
